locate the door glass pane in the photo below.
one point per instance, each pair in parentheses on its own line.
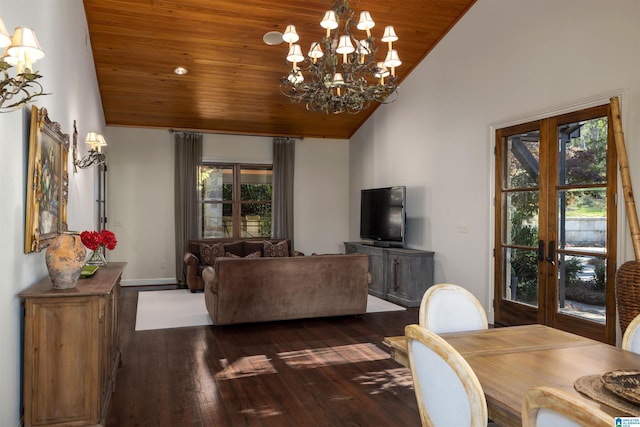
(583,152)
(522,158)
(521,276)
(521,218)
(582,286)
(582,219)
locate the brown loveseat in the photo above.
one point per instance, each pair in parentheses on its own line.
(203,253)
(242,290)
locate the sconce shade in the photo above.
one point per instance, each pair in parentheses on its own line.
(5,39)
(315,51)
(25,46)
(366,22)
(329,21)
(345,46)
(363,47)
(389,34)
(392,59)
(290,35)
(295,54)
(381,70)
(338,80)
(92,140)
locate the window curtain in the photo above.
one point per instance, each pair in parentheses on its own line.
(188,160)
(282,201)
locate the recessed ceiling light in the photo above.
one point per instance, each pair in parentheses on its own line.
(272,38)
(181,71)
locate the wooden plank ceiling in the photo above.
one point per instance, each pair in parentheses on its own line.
(233,81)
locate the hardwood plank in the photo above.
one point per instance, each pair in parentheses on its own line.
(333,372)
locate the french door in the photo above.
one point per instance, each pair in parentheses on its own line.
(555,224)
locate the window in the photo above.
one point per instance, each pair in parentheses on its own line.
(235,201)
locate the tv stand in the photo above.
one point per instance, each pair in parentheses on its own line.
(399,275)
(379,244)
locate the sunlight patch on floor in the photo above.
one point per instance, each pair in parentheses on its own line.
(387,380)
(329,356)
(245,367)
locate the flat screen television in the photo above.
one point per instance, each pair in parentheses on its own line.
(383,216)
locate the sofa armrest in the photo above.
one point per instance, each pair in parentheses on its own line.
(210,282)
(193,271)
(293,252)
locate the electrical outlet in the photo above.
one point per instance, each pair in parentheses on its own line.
(463,228)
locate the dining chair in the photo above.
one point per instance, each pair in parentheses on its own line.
(451,308)
(551,407)
(447,390)
(631,337)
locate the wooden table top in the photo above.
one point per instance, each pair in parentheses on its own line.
(509,361)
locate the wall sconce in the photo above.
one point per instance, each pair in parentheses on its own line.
(20,51)
(95,157)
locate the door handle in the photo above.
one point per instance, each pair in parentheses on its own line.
(552,252)
(540,250)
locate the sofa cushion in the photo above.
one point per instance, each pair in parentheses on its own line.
(276,250)
(209,253)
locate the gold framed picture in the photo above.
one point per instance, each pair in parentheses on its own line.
(47,182)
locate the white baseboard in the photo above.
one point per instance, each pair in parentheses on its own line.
(146,282)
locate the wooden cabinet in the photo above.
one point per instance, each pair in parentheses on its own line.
(71,349)
(399,275)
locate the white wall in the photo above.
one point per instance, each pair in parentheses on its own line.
(504,60)
(70,79)
(140,199)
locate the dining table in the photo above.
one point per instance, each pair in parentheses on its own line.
(508,361)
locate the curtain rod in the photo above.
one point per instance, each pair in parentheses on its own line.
(171,130)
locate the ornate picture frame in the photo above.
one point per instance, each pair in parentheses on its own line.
(47,182)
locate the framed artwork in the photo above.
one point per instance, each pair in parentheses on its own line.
(47,182)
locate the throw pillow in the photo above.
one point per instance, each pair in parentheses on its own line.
(256,254)
(209,253)
(236,248)
(276,250)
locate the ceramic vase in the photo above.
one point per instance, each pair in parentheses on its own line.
(65,258)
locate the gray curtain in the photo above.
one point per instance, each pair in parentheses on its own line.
(282,203)
(188,160)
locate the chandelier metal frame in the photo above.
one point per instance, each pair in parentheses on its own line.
(337,77)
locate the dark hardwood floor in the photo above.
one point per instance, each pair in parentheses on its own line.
(314,372)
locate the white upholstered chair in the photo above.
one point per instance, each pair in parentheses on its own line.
(451,308)
(447,390)
(631,337)
(551,407)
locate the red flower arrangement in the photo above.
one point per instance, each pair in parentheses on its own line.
(94,239)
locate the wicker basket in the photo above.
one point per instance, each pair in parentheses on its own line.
(628,292)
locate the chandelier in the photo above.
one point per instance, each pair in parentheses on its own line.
(20,51)
(340,73)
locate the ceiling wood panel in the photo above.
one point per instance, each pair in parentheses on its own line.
(233,80)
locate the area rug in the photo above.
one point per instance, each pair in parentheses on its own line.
(180,308)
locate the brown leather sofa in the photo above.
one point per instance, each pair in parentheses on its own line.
(203,253)
(242,290)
